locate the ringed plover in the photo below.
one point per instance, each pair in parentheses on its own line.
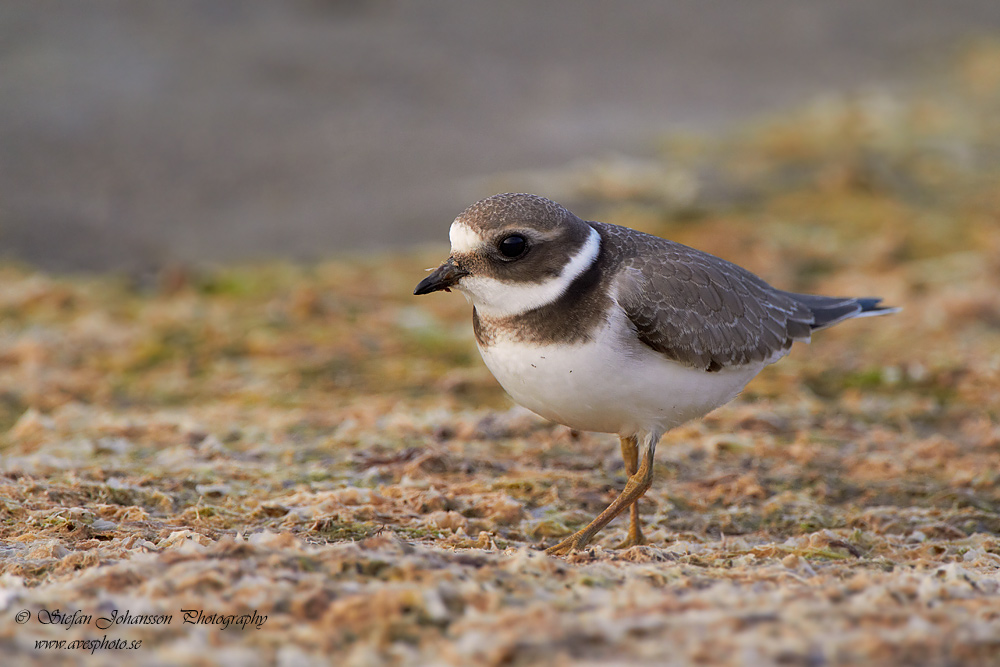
(604,328)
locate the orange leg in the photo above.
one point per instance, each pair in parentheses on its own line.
(640,479)
(630,452)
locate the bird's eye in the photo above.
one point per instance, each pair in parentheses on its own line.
(513,246)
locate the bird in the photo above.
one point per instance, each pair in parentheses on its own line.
(608,329)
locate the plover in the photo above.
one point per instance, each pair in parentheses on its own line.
(604,328)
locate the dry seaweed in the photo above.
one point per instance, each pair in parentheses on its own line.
(313,446)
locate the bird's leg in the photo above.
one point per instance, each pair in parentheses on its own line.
(636,485)
(630,453)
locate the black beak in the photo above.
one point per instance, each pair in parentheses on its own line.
(441,278)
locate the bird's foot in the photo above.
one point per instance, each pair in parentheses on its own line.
(634,538)
(577,540)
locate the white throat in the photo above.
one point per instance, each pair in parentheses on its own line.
(496,298)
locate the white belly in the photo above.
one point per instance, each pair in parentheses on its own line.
(614,384)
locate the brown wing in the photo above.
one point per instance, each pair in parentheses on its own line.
(700,310)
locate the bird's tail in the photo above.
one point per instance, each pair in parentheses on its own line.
(830,310)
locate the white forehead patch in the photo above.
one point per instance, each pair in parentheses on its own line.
(496,298)
(463,238)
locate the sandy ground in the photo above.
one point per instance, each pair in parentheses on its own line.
(304,464)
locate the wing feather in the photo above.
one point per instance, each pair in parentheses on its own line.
(700,310)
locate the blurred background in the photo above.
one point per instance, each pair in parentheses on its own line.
(135,135)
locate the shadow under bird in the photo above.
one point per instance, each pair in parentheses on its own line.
(604,328)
